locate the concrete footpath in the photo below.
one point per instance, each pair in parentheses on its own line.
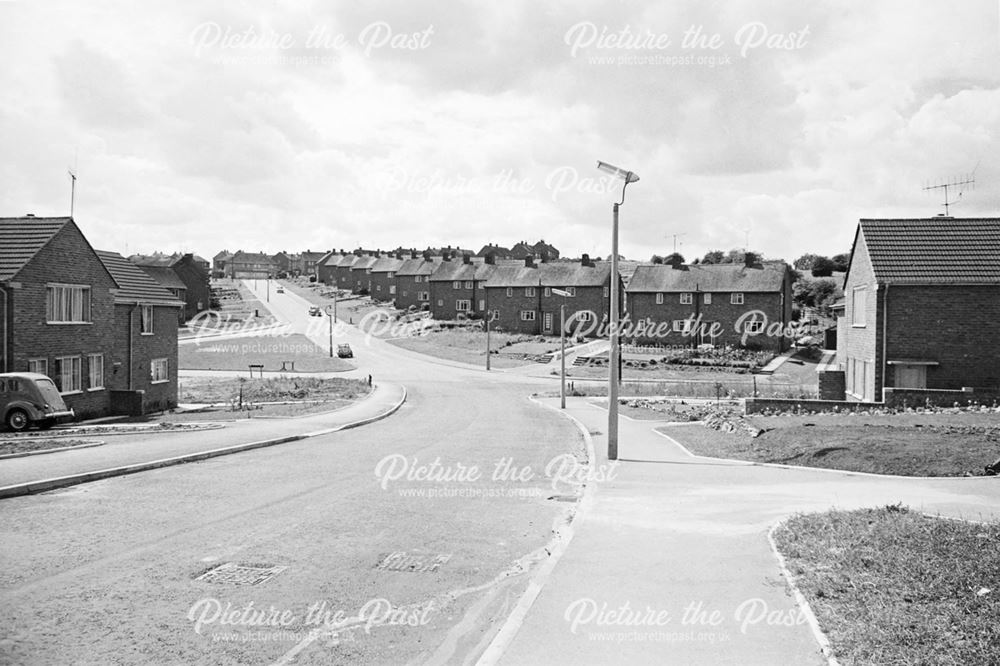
(134,452)
(671,562)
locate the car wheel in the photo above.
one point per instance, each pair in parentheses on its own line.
(17,420)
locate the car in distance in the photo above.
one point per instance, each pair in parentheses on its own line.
(314,311)
(281,290)
(344,351)
(30,398)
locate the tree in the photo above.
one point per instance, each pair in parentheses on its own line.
(713,257)
(805,262)
(823,267)
(657,259)
(674,259)
(840,262)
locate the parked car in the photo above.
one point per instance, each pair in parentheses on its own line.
(29,398)
(281,290)
(344,351)
(314,311)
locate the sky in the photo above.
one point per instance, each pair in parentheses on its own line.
(266,126)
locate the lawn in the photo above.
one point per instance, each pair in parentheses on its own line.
(891,586)
(270,351)
(466,346)
(905,444)
(304,395)
(22,445)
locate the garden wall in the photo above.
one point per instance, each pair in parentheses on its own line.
(758,405)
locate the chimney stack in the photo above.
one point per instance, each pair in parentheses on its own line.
(466,259)
(585,260)
(490,258)
(529,262)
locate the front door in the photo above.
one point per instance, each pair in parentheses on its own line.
(547,322)
(911,376)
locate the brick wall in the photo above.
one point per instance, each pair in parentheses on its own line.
(510,308)
(444,295)
(137,367)
(380,283)
(66,259)
(407,289)
(831,385)
(590,299)
(198,295)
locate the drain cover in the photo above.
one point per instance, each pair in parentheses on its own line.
(415,562)
(231,573)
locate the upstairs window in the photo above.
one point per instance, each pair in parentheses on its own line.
(529,291)
(859,301)
(659,299)
(736,298)
(146,320)
(708,299)
(687,299)
(67,304)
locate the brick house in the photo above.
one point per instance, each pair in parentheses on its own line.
(282,262)
(191,273)
(250,266)
(59,312)
(142,368)
(309,260)
(498,251)
(219,263)
(342,271)
(921,305)
(382,278)
(457,286)
(722,304)
(361,274)
(413,288)
(589,282)
(513,297)
(326,267)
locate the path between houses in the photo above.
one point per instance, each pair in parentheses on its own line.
(672,533)
(19,476)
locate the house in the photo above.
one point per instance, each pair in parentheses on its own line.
(540,251)
(361,270)
(309,260)
(191,273)
(921,305)
(588,284)
(545,250)
(413,281)
(141,369)
(513,297)
(282,262)
(326,267)
(498,251)
(251,266)
(457,286)
(382,278)
(219,263)
(203,263)
(747,305)
(61,312)
(342,271)
(167,279)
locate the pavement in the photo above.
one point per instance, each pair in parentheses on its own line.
(671,562)
(133,452)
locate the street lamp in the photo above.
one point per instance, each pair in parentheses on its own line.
(615,371)
(490,316)
(329,318)
(562,345)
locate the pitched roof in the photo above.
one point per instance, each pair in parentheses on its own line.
(418,266)
(134,284)
(939,250)
(386,264)
(22,237)
(514,276)
(154,259)
(164,276)
(251,257)
(575,274)
(766,277)
(364,263)
(456,269)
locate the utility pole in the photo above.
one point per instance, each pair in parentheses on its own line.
(72,191)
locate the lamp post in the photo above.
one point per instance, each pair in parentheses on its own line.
(490,316)
(615,371)
(329,318)
(562,346)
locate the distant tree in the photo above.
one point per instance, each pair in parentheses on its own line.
(823,267)
(713,257)
(674,259)
(805,262)
(657,259)
(696,261)
(840,262)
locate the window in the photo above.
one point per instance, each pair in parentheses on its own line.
(708,299)
(158,370)
(686,299)
(67,303)
(416,278)
(736,298)
(440,303)
(68,374)
(571,291)
(548,292)
(457,284)
(392,289)
(423,296)
(547,321)
(527,315)
(468,284)
(39,365)
(529,291)
(754,327)
(391,275)
(378,287)
(607,292)
(682,325)
(95,369)
(659,299)
(859,301)
(463,305)
(584,316)
(146,320)
(510,291)
(482,304)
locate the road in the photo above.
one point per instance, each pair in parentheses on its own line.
(106,572)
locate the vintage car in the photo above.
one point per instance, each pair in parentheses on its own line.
(29,398)
(344,351)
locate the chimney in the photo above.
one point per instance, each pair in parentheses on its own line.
(529,262)
(413,254)
(490,258)
(427,255)
(585,260)
(749,259)
(445,256)
(466,259)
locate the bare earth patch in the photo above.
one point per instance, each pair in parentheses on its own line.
(890,586)
(247,398)
(9,446)
(906,445)
(272,352)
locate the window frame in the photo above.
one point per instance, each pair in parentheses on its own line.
(43,361)
(463,301)
(153,364)
(52,303)
(77,375)
(525,317)
(855,310)
(146,320)
(91,385)
(737,298)
(659,298)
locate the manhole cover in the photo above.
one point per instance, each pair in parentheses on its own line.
(415,562)
(231,573)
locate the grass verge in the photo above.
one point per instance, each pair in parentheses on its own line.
(269,351)
(890,586)
(9,446)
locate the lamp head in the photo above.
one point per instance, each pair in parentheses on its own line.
(627,176)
